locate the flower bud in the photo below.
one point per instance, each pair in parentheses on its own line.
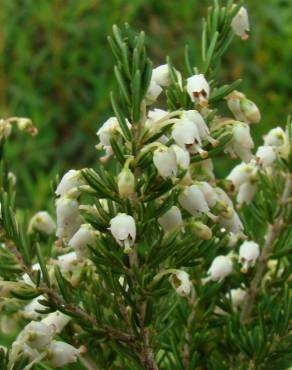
(242,108)
(43,223)
(164,159)
(249,252)
(126,183)
(61,354)
(198,89)
(84,237)
(240,24)
(201,231)
(171,220)
(182,157)
(123,229)
(161,75)
(180,281)
(68,217)
(153,92)
(70,181)
(25,124)
(220,268)
(265,155)
(192,200)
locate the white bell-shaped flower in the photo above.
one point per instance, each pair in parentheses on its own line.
(123,229)
(37,334)
(241,143)
(171,219)
(246,192)
(220,268)
(164,159)
(61,354)
(210,194)
(278,139)
(233,224)
(192,200)
(237,297)
(266,155)
(186,135)
(153,92)
(68,217)
(249,252)
(240,24)
(69,182)
(57,320)
(42,222)
(203,130)
(242,108)
(182,157)
(84,237)
(180,280)
(67,261)
(198,89)
(241,174)
(161,75)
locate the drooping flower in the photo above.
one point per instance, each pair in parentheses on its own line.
(240,24)
(266,155)
(61,354)
(123,229)
(241,143)
(126,183)
(198,89)
(68,217)
(242,108)
(180,280)
(153,92)
(246,192)
(42,222)
(164,159)
(220,268)
(241,174)
(84,237)
(171,219)
(69,182)
(182,157)
(192,200)
(278,139)
(249,252)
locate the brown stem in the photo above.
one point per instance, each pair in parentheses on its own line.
(273,232)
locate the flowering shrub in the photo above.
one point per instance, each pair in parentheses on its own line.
(156,263)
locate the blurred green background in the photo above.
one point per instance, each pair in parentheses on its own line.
(56,67)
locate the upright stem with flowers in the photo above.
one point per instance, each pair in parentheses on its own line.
(157,263)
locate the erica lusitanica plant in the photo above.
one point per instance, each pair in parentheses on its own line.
(151,261)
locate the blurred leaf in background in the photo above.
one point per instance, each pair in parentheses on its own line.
(56,67)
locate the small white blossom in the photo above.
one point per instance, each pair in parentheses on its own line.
(68,217)
(153,92)
(61,354)
(161,76)
(246,192)
(266,155)
(233,224)
(123,229)
(242,108)
(278,139)
(85,236)
(68,261)
(164,159)
(203,130)
(180,281)
(240,24)
(210,194)
(182,157)
(198,89)
(37,334)
(70,181)
(192,200)
(171,220)
(241,143)
(220,268)
(42,222)
(249,252)
(30,310)
(237,297)
(241,174)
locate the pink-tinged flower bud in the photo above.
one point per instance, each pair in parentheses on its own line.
(180,281)
(198,89)
(123,229)
(171,220)
(240,24)
(249,252)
